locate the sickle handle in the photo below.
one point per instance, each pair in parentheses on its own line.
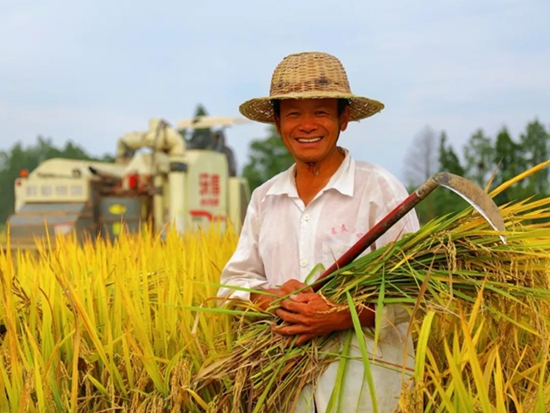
(378,230)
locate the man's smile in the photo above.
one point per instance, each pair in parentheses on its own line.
(309,140)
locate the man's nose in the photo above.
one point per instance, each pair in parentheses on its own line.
(308,124)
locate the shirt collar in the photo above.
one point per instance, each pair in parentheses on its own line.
(342,181)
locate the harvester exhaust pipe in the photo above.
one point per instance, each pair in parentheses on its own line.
(160,136)
(468,190)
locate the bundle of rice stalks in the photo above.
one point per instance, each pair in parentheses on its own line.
(480,311)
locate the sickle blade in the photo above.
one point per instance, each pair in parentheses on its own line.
(476,197)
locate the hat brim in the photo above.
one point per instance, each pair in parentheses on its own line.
(261,109)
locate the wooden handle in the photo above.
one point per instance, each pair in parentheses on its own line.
(378,230)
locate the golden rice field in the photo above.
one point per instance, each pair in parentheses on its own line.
(133,327)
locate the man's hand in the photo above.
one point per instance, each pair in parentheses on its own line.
(294,285)
(312,315)
(265,301)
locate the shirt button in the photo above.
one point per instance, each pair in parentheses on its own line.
(306,217)
(303,263)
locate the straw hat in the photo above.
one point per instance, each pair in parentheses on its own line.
(309,75)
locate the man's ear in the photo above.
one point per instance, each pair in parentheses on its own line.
(277,123)
(344,118)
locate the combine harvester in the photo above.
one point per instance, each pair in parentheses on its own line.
(187,183)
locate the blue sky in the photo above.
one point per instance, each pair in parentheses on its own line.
(92,71)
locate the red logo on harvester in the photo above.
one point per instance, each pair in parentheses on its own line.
(209,189)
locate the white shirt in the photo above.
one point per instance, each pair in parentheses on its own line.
(282,239)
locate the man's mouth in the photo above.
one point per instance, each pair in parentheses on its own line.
(308,140)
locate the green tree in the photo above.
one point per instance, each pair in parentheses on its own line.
(448,159)
(508,158)
(421,165)
(505,159)
(268,157)
(447,202)
(479,156)
(442,201)
(535,148)
(10,164)
(200,110)
(200,137)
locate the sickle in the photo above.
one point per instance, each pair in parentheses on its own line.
(468,190)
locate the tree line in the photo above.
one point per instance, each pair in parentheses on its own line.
(486,160)
(20,157)
(483,159)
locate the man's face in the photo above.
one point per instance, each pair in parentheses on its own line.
(310,127)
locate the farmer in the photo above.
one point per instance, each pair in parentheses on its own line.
(311,214)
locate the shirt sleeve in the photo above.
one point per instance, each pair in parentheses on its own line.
(244,269)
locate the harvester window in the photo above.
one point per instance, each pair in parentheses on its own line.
(76,190)
(46,190)
(61,190)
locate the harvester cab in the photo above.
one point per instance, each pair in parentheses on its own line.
(176,183)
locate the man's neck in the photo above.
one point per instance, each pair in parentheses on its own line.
(313,177)
(323,169)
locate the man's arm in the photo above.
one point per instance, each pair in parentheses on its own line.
(244,269)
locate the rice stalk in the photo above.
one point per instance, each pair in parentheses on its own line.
(105,326)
